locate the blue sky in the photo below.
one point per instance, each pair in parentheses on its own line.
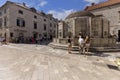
(59,8)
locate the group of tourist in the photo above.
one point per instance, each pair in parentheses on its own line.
(84,44)
(24,40)
(29,40)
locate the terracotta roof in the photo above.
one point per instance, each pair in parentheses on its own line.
(103,4)
(79,14)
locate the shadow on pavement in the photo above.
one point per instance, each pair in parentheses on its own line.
(45,42)
(113,67)
(99,54)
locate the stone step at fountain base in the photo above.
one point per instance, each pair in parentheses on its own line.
(92,49)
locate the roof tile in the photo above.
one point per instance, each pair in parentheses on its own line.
(101,5)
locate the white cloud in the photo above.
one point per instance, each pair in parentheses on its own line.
(94,1)
(62,14)
(42,3)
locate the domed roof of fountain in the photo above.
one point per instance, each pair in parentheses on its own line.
(79,14)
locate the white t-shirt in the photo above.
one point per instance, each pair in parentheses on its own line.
(80,40)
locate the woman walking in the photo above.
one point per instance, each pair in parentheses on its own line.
(87,44)
(69,44)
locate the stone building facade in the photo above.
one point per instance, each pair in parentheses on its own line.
(62,29)
(96,27)
(111,11)
(79,22)
(18,20)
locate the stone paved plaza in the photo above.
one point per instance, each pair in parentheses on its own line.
(28,62)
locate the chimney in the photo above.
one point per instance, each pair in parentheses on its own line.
(92,4)
(24,4)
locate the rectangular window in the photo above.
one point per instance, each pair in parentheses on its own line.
(0,34)
(5,21)
(50,24)
(54,26)
(23,23)
(44,19)
(11,34)
(20,12)
(35,25)
(35,17)
(0,13)
(20,22)
(119,15)
(0,22)
(44,27)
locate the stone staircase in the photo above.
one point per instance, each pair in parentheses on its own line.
(92,49)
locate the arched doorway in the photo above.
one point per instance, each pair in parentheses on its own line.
(35,35)
(21,38)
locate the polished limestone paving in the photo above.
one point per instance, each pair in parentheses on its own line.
(31,62)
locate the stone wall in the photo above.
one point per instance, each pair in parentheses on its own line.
(60,40)
(102,42)
(81,25)
(29,17)
(112,14)
(94,42)
(100,27)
